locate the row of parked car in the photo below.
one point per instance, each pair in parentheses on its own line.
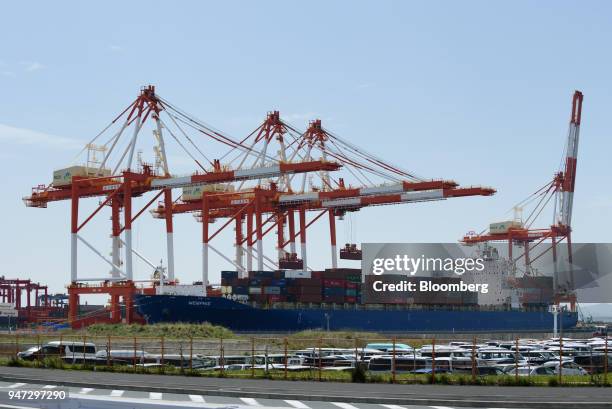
(527,357)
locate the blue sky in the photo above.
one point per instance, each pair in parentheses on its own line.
(473,91)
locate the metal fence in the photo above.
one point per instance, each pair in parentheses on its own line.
(404,360)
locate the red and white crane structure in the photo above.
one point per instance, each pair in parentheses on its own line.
(276,171)
(377,183)
(559,191)
(116,179)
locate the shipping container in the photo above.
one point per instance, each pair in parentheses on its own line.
(334,291)
(279,283)
(272,290)
(240,290)
(354,278)
(229,275)
(276,298)
(503,227)
(309,290)
(307,298)
(308,282)
(63,177)
(334,283)
(193,193)
(298,274)
(261,274)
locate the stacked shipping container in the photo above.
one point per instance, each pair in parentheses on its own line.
(330,286)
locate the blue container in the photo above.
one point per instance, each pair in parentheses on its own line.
(279,283)
(229,275)
(333,291)
(263,274)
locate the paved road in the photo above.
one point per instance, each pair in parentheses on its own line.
(304,395)
(92,398)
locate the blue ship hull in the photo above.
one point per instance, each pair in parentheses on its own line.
(245,318)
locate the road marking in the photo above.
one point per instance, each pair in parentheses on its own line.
(16,385)
(344,405)
(196,398)
(117,393)
(441,407)
(49,386)
(16,407)
(85,391)
(250,401)
(394,407)
(297,404)
(155,395)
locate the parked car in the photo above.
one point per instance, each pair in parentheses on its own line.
(492,356)
(530,370)
(567,368)
(69,351)
(539,356)
(388,347)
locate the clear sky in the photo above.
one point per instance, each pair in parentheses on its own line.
(475,91)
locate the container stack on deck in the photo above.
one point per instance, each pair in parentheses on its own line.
(336,286)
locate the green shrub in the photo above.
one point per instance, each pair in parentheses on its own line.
(358,375)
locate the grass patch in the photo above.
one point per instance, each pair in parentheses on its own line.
(172,331)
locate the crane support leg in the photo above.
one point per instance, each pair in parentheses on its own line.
(291,220)
(127,198)
(332,236)
(239,238)
(250,239)
(280,221)
(74,228)
(205,221)
(259,227)
(116,242)
(169,232)
(303,236)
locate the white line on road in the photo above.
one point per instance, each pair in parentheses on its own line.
(250,401)
(85,391)
(117,393)
(344,405)
(16,385)
(196,398)
(394,407)
(297,404)
(49,386)
(16,407)
(155,395)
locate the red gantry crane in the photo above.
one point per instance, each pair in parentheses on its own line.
(279,198)
(116,184)
(560,190)
(275,171)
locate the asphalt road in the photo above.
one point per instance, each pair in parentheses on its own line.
(313,394)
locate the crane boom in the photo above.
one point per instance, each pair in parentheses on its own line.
(569,175)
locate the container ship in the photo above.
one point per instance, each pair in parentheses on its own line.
(288,301)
